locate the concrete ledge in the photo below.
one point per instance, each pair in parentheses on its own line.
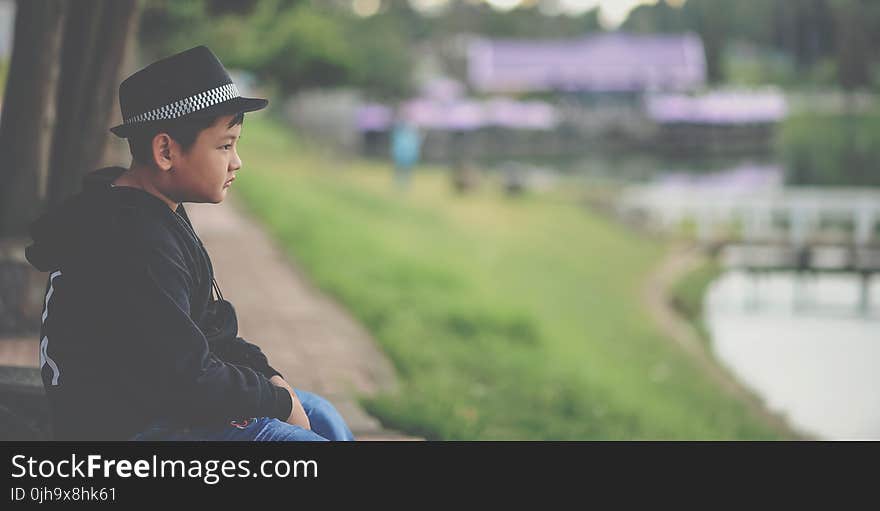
(24,411)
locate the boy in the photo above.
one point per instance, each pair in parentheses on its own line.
(134,343)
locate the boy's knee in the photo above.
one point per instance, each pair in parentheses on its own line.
(324,416)
(313,402)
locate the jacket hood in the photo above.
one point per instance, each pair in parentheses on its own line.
(71,233)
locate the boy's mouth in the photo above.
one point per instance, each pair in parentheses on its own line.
(229,181)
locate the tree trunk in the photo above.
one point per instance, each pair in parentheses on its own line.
(94,46)
(28,117)
(116,151)
(25,143)
(853,49)
(60,93)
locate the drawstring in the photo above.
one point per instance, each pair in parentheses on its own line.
(216,288)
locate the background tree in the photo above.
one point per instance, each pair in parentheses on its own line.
(293,44)
(28,117)
(853,51)
(59,95)
(95,38)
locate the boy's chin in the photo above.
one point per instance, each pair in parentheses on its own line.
(209,200)
(218,198)
(215,198)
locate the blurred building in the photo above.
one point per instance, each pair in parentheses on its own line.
(456,126)
(718,122)
(547,98)
(618,81)
(602,63)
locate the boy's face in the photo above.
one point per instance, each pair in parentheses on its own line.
(203,173)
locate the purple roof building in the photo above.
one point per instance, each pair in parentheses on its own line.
(607,62)
(442,106)
(718,107)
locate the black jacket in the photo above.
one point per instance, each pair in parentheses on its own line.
(131,332)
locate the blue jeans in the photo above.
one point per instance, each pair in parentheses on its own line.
(326,422)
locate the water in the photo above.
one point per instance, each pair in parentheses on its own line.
(807,345)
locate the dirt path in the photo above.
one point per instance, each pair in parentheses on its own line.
(656,296)
(311,340)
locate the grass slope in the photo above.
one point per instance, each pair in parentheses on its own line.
(505,318)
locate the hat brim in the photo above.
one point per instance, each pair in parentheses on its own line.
(233,106)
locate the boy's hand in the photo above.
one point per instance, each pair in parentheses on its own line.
(298,415)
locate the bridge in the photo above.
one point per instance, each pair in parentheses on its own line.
(794,216)
(805,229)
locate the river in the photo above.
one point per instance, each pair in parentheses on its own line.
(807,345)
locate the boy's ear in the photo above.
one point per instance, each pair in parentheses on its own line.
(162,151)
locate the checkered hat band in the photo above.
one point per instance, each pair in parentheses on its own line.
(188,105)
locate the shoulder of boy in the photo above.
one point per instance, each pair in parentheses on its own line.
(141,238)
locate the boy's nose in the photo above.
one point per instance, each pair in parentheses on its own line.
(235,164)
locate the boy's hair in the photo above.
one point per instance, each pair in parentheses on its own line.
(183,131)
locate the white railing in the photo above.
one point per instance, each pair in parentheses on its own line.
(793,215)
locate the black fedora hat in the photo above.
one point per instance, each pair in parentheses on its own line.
(190,84)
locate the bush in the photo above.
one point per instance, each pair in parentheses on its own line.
(832,149)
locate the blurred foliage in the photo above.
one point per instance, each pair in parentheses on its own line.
(832,148)
(4,73)
(807,34)
(751,66)
(480,19)
(295,44)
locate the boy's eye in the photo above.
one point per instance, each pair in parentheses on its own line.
(227,147)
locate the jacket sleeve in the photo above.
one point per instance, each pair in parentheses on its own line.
(173,357)
(239,351)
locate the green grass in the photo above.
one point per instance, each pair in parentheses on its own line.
(4,76)
(689,291)
(505,318)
